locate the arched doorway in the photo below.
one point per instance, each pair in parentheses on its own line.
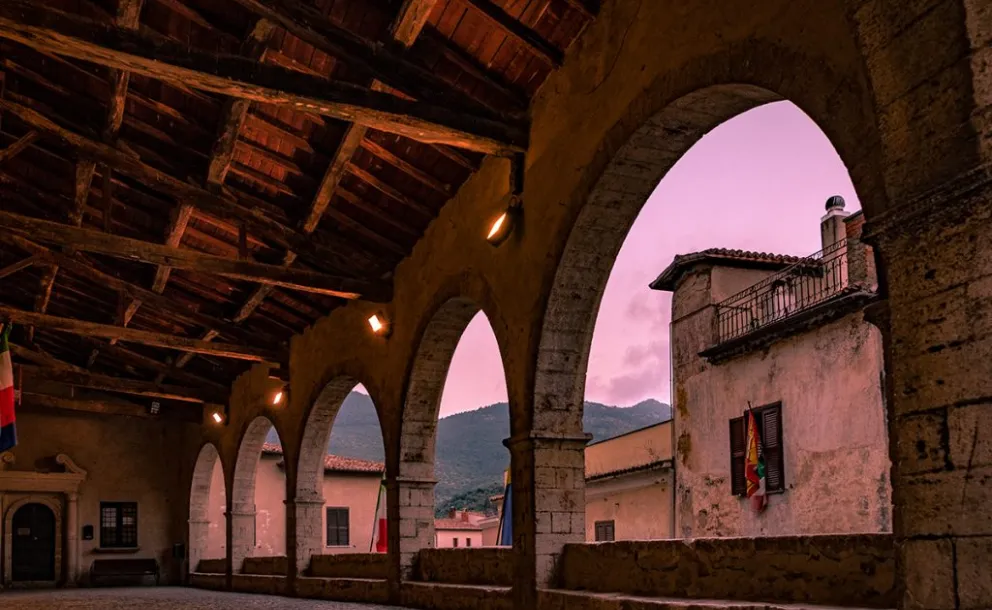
(33,531)
(340,492)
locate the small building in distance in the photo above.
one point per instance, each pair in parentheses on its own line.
(351,492)
(788,336)
(629,485)
(462,528)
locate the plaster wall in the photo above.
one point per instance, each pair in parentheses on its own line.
(639,504)
(127,460)
(446,538)
(836,462)
(633,449)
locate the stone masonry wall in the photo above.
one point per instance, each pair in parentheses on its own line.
(475,566)
(830,570)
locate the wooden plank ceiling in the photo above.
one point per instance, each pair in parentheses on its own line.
(185,184)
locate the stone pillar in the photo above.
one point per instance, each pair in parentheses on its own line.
(308,518)
(548,505)
(199,533)
(937,330)
(242,537)
(72,541)
(415,508)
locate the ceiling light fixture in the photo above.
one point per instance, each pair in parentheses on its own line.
(379,325)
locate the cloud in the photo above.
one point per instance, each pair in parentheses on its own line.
(655,351)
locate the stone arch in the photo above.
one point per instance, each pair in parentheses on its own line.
(418,435)
(309,499)
(207,461)
(54,504)
(241,516)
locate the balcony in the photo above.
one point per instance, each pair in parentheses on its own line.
(842,269)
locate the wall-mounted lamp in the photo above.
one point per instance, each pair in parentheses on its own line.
(502,227)
(380,325)
(217,417)
(277,397)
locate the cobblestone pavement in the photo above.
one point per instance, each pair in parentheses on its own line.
(163,598)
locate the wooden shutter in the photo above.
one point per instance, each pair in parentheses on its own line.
(738,483)
(771,434)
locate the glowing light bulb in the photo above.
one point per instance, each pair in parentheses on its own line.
(375,323)
(497,226)
(277,398)
(218,417)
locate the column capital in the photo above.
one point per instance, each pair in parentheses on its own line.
(304,502)
(535,439)
(413,481)
(952,198)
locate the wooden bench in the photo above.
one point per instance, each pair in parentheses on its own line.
(120,570)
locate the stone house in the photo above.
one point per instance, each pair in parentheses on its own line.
(351,490)
(463,529)
(787,336)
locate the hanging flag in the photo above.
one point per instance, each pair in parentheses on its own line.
(379,542)
(8,434)
(754,465)
(505,536)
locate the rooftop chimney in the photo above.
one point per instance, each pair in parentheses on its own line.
(832,228)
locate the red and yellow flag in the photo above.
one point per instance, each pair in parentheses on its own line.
(754,466)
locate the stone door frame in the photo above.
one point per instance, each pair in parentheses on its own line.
(59,491)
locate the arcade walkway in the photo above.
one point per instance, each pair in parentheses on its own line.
(162,598)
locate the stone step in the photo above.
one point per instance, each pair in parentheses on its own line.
(446,596)
(558,599)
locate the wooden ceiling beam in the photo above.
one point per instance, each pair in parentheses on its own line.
(387,189)
(121,385)
(88,240)
(18,147)
(142,361)
(32,401)
(221,206)
(515,29)
(144,337)
(178,309)
(405,166)
(20,265)
(589,8)
(156,57)
(44,359)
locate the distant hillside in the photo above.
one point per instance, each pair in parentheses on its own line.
(470,451)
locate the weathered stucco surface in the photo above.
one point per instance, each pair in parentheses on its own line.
(639,504)
(835,442)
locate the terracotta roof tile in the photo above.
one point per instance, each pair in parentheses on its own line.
(335,463)
(765,260)
(454,524)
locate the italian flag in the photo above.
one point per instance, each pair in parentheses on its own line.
(8,434)
(754,466)
(379,543)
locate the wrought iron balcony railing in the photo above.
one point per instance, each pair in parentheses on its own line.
(804,284)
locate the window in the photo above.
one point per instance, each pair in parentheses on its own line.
(337,527)
(605,531)
(118,525)
(769,421)
(454,543)
(468,542)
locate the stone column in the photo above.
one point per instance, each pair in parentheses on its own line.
(415,510)
(242,537)
(72,540)
(199,534)
(937,328)
(308,518)
(548,505)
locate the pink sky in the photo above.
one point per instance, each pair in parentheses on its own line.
(756,182)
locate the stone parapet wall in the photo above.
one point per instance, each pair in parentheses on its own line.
(841,570)
(260,584)
(363,590)
(212,566)
(266,566)
(437,596)
(482,566)
(351,565)
(213,582)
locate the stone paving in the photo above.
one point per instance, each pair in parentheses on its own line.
(163,598)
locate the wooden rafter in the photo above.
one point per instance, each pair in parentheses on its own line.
(20,265)
(141,361)
(130,335)
(223,207)
(156,57)
(18,147)
(44,359)
(32,401)
(498,17)
(120,385)
(88,240)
